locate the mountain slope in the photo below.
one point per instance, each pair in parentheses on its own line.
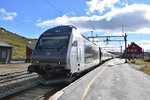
(18,42)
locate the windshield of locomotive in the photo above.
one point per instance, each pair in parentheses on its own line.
(53,42)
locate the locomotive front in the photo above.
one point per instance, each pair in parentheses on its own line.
(50,54)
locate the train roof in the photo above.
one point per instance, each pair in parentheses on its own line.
(59,30)
(66,29)
(87,39)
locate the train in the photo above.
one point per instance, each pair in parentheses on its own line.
(63,51)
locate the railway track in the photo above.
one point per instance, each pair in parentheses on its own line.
(15,76)
(11,83)
(39,92)
(24,86)
(7,74)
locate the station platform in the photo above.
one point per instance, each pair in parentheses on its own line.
(114,80)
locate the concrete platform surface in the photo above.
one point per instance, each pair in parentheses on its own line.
(113,80)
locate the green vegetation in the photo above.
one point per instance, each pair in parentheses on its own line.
(146,62)
(18,42)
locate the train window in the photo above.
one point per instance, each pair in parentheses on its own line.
(57,42)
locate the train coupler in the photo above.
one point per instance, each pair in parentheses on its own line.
(32,68)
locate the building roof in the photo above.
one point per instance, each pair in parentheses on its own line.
(4,44)
(132,43)
(30,46)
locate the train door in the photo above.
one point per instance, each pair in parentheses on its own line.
(75,57)
(78,55)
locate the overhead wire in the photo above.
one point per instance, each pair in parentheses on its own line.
(24,27)
(59,11)
(69,6)
(21,20)
(75,8)
(51,5)
(90,26)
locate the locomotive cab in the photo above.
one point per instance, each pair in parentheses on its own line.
(50,54)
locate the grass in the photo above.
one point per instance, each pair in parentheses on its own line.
(18,42)
(139,62)
(146,68)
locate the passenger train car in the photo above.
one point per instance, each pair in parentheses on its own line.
(63,51)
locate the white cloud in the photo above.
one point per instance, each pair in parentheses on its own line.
(101,5)
(134,18)
(146,47)
(144,42)
(4,15)
(58,21)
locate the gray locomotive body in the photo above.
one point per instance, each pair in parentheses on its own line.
(63,50)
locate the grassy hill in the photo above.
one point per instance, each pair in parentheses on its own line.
(18,42)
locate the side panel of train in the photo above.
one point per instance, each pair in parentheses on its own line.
(82,54)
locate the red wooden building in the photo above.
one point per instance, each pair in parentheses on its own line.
(29,50)
(134,51)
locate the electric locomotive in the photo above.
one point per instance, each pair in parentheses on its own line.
(63,51)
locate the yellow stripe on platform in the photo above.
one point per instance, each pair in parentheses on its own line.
(90,83)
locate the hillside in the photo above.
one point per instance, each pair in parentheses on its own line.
(18,42)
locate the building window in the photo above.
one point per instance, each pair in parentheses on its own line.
(131,50)
(135,50)
(133,46)
(128,50)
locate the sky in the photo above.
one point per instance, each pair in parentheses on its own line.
(30,18)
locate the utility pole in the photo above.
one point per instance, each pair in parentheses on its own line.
(121,52)
(143,54)
(92,36)
(125,39)
(122,29)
